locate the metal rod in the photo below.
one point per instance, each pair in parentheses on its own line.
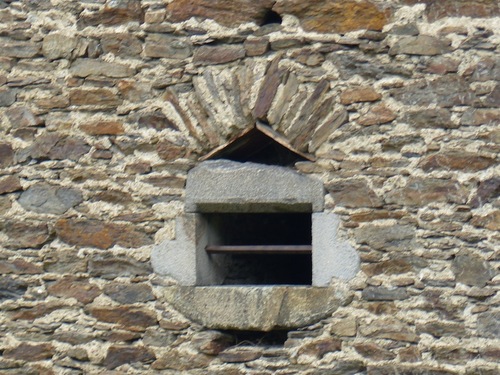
(259,249)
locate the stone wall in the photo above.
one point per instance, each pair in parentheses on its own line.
(105,106)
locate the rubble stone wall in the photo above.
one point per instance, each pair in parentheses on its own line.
(105,106)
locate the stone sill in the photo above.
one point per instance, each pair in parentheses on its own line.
(257,308)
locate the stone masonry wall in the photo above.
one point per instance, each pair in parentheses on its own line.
(105,106)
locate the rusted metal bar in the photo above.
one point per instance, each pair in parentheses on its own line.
(259,249)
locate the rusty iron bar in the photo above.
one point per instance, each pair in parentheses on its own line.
(258,249)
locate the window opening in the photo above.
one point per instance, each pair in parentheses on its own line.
(258,338)
(271,17)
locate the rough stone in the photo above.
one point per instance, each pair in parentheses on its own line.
(73,287)
(114,13)
(345,327)
(456,160)
(64,263)
(442,329)
(358,95)
(156,120)
(25,234)
(325,130)
(388,267)
(493,99)
(321,346)
(103,128)
(256,47)
(471,270)
(268,89)
(45,198)
(100,234)
(170,151)
(7,97)
(210,55)
(110,268)
(30,353)
(129,317)
(121,44)
(170,47)
(92,67)
(374,352)
(103,98)
(353,193)
(19,49)
(410,354)
(12,288)
(386,238)
(422,191)
(58,46)
(458,8)
(420,45)
(488,324)
(475,117)
(56,147)
(21,117)
(120,355)
(240,354)
(389,328)
(384,294)
(9,184)
(377,115)
(486,191)
(490,221)
(180,360)
(397,369)
(430,118)
(212,342)
(19,267)
(37,311)
(225,12)
(337,17)
(6,155)
(129,293)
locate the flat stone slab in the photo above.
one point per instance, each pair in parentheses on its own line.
(254,307)
(229,186)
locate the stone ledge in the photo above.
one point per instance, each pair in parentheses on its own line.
(258,308)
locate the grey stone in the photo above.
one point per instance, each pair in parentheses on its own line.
(129,293)
(228,186)
(21,117)
(208,55)
(57,46)
(167,46)
(420,45)
(113,267)
(488,324)
(471,270)
(18,49)
(45,198)
(384,294)
(87,67)
(254,308)
(7,97)
(12,288)
(156,337)
(395,237)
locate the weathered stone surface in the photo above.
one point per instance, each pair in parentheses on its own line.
(384,294)
(21,117)
(319,347)
(386,238)
(488,324)
(58,46)
(410,354)
(397,369)
(493,99)
(268,89)
(25,234)
(210,55)
(256,47)
(104,98)
(73,287)
(420,45)
(30,353)
(486,191)
(45,198)
(388,267)
(19,267)
(103,128)
(422,191)
(442,329)
(337,17)
(353,193)
(6,155)
(121,44)
(9,184)
(92,67)
(344,327)
(170,47)
(37,311)
(389,328)
(129,293)
(377,115)
(56,147)
(180,360)
(225,12)
(120,355)
(155,336)
(19,49)
(100,234)
(240,354)
(12,288)
(114,13)
(129,317)
(490,221)
(7,97)
(110,268)
(446,91)
(359,94)
(457,161)
(458,8)
(324,131)
(211,342)
(170,151)
(477,117)
(374,352)
(430,118)
(453,354)
(471,270)
(64,263)
(267,308)
(156,120)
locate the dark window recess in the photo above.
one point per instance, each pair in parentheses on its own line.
(259,338)
(263,248)
(271,17)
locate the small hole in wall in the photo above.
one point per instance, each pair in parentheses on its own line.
(258,338)
(271,17)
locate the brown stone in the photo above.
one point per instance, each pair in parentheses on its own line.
(111,267)
(442,65)
(6,154)
(256,47)
(240,354)
(477,117)
(420,45)
(209,55)
(156,120)
(25,234)
(321,346)
(429,118)
(374,352)
(212,342)
(57,46)
(490,221)
(92,67)
(166,181)
(121,44)
(19,49)
(120,355)
(129,293)
(103,128)
(167,46)
(388,267)
(344,327)
(9,184)
(386,238)
(377,215)
(334,16)
(37,311)
(360,94)
(73,287)
(176,359)
(389,328)
(353,193)
(100,234)
(30,353)
(268,89)
(170,151)
(113,196)
(458,8)
(457,161)
(129,317)
(19,267)
(56,147)
(421,191)
(229,13)
(104,98)
(486,191)
(378,114)
(442,329)
(114,13)
(324,131)
(409,354)
(381,308)
(452,354)
(21,117)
